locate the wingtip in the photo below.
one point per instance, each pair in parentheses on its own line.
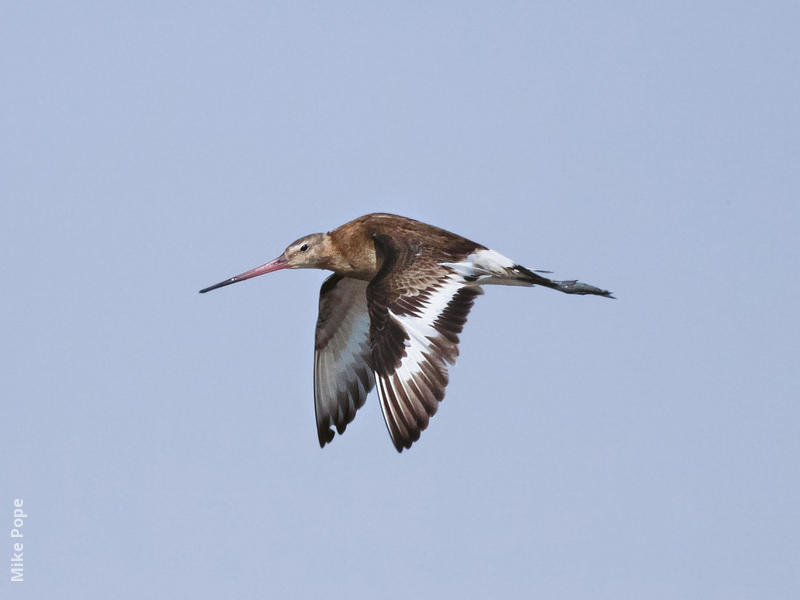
(325,436)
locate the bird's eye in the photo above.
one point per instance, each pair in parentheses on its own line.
(304,247)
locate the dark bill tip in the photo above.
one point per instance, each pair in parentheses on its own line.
(219,285)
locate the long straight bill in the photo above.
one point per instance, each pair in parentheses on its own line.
(273,265)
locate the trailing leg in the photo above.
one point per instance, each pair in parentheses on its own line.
(572,286)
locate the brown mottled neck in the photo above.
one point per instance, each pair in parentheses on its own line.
(353,251)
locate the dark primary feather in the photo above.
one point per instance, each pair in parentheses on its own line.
(409,282)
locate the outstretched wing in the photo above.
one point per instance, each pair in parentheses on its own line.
(417,308)
(342,372)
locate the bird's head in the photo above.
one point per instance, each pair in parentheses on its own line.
(309,252)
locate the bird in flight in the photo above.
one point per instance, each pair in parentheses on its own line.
(391,313)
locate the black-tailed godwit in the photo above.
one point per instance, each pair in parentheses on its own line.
(391,313)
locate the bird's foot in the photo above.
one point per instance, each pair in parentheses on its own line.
(574,286)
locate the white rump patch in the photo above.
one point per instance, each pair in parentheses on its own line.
(485,266)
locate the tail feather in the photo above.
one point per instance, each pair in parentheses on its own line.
(489,267)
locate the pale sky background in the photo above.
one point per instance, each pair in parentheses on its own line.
(164,442)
